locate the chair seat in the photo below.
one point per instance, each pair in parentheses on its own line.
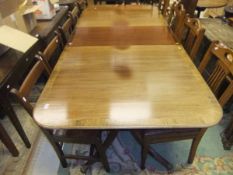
(154,132)
(81,136)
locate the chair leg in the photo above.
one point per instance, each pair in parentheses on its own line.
(8,142)
(144,152)
(194,145)
(6,106)
(102,155)
(92,148)
(56,148)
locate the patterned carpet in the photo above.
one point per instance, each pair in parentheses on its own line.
(124,156)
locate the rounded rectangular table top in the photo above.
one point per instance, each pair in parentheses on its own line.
(153,86)
(211,3)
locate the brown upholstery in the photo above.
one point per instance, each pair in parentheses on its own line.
(220,81)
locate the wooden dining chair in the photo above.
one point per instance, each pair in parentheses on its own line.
(58,137)
(223,71)
(66,31)
(176,19)
(220,80)
(192,36)
(163,6)
(53,49)
(6,140)
(74,14)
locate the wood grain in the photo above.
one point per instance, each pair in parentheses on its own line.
(211,3)
(139,87)
(122,36)
(107,15)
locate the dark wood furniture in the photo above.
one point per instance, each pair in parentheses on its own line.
(192,37)
(6,140)
(163,6)
(117,101)
(176,20)
(221,74)
(168,135)
(74,14)
(58,137)
(14,65)
(66,31)
(52,51)
(190,6)
(45,28)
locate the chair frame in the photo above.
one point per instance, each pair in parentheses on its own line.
(163,6)
(74,14)
(55,44)
(176,19)
(194,36)
(223,71)
(66,30)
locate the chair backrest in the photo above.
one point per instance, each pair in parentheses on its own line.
(22,93)
(222,73)
(163,6)
(66,30)
(54,46)
(176,20)
(192,36)
(74,14)
(190,6)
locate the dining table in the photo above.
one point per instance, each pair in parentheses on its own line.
(205,4)
(125,72)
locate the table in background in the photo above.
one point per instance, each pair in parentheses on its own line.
(204,4)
